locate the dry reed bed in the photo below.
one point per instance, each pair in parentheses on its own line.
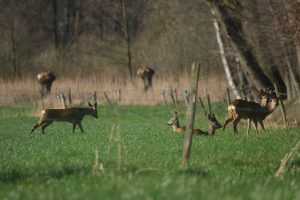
(27,90)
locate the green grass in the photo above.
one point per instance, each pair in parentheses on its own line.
(59,164)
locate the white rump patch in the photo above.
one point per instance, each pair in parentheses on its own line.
(231,107)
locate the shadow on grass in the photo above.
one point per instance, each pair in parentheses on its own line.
(17,175)
(193,171)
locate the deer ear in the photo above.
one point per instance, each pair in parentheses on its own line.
(90,104)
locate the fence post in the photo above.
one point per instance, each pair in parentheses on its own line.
(228,97)
(119,95)
(172,96)
(106,97)
(202,105)
(186,96)
(62,99)
(176,98)
(208,102)
(283,112)
(164,96)
(243,91)
(187,143)
(94,96)
(70,96)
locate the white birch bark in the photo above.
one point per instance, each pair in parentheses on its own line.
(224,61)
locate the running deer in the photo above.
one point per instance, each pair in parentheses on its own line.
(212,126)
(242,109)
(72,115)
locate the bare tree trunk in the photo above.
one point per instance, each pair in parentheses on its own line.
(13,51)
(127,38)
(233,27)
(61,9)
(298,56)
(293,79)
(290,60)
(224,61)
(288,84)
(55,23)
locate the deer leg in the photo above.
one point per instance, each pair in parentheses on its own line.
(44,126)
(261,124)
(235,123)
(80,127)
(249,125)
(255,124)
(36,126)
(226,122)
(74,126)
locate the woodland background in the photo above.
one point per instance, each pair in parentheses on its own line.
(111,38)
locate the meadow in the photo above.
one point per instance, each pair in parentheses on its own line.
(141,158)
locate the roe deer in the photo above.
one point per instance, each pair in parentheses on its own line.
(146,74)
(72,115)
(242,109)
(212,126)
(46,79)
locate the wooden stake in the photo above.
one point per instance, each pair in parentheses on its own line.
(187,144)
(208,102)
(119,95)
(164,96)
(70,96)
(175,98)
(282,108)
(228,97)
(285,161)
(94,96)
(243,91)
(172,96)
(202,105)
(62,99)
(186,95)
(106,97)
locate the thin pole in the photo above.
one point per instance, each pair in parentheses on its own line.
(187,144)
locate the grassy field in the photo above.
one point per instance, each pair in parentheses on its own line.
(141,157)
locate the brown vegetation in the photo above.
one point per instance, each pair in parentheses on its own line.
(111,38)
(27,89)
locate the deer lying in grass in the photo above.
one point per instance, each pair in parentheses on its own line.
(72,115)
(242,109)
(212,126)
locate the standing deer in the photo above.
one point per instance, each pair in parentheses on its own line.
(46,79)
(72,115)
(212,126)
(242,109)
(146,73)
